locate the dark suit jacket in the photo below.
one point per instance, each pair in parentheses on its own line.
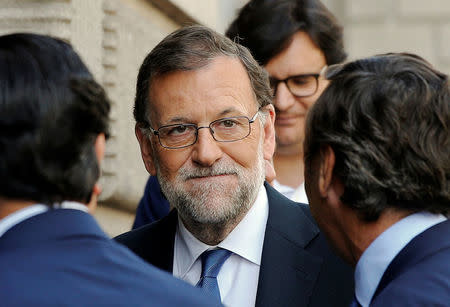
(153,205)
(297,267)
(420,274)
(62,258)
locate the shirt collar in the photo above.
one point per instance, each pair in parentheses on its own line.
(297,194)
(21,215)
(71,205)
(380,253)
(245,240)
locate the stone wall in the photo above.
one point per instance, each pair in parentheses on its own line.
(113,37)
(417,26)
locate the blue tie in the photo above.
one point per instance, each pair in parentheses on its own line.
(212,261)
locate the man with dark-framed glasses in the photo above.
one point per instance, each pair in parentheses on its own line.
(294,40)
(205,125)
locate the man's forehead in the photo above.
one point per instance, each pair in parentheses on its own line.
(301,56)
(222,86)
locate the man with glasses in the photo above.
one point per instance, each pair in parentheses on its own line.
(294,40)
(205,127)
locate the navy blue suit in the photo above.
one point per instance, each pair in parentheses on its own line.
(420,274)
(62,258)
(297,266)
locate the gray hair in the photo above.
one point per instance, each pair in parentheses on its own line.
(192,48)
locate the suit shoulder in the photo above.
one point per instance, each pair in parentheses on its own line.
(426,283)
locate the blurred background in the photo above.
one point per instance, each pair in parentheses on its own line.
(114,36)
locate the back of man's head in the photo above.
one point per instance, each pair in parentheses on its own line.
(266,27)
(387,119)
(51,110)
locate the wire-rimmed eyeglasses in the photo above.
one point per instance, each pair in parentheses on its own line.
(228,129)
(303,85)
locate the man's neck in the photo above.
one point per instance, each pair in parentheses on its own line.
(8,206)
(212,234)
(362,234)
(289,169)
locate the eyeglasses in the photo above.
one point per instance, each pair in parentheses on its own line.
(229,129)
(303,85)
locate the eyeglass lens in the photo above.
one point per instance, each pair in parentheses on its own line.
(302,85)
(223,130)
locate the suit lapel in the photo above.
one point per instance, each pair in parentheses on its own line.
(288,272)
(161,240)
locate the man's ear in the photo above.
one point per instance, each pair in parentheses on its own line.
(146,150)
(330,186)
(100,144)
(269,133)
(99,147)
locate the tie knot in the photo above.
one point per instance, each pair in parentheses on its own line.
(212,261)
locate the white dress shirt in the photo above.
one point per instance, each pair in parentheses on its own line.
(238,277)
(21,215)
(296,194)
(380,253)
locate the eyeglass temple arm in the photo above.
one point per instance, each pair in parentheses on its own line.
(155,132)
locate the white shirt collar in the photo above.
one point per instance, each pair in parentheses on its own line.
(71,205)
(380,253)
(297,194)
(21,215)
(245,240)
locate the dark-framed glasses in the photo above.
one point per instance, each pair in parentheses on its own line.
(302,85)
(228,129)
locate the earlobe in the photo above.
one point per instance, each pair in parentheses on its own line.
(269,132)
(146,150)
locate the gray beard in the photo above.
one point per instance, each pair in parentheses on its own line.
(214,202)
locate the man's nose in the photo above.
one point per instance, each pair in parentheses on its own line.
(206,150)
(283,99)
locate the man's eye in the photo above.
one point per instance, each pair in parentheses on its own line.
(228,123)
(300,80)
(177,130)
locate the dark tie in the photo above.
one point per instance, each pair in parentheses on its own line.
(212,261)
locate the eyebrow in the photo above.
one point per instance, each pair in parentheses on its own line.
(177,120)
(185,120)
(227,111)
(303,74)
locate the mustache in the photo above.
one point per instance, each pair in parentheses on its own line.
(215,170)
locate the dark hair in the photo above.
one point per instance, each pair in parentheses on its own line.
(266,27)
(387,119)
(51,113)
(192,48)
